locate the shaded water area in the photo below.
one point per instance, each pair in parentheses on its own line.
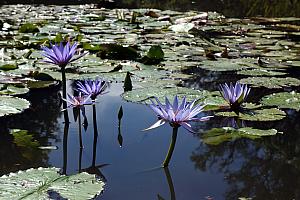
(230,8)
(217,162)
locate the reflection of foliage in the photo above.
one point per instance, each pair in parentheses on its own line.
(22,146)
(26,143)
(265,169)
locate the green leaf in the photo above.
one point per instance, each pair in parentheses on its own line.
(155,53)
(29,28)
(12,90)
(12,105)
(42,182)
(289,100)
(7,67)
(270,114)
(144,94)
(217,136)
(271,82)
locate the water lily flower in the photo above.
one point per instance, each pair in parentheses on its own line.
(77,101)
(61,55)
(235,95)
(92,88)
(177,114)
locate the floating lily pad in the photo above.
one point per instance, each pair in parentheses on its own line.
(217,136)
(223,64)
(12,105)
(7,67)
(290,100)
(270,114)
(29,28)
(47,183)
(271,82)
(260,72)
(144,94)
(41,84)
(12,90)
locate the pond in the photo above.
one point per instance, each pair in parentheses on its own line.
(143,53)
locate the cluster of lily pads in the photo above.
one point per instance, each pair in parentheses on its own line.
(160,51)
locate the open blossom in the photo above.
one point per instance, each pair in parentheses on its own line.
(92,88)
(177,114)
(77,101)
(235,95)
(61,55)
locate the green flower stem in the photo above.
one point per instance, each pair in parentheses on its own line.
(79,129)
(63,77)
(171,147)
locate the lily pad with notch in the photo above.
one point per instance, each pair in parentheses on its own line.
(217,136)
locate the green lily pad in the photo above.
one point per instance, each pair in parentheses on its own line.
(223,64)
(12,90)
(289,100)
(29,28)
(12,105)
(7,67)
(41,84)
(42,183)
(144,94)
(217,136)
(260,72)
(270,114)
(271,82)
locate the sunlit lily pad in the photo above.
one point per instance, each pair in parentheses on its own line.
(144,94)
(260,72)
(217,136)
(12,90)
(225,65)
(270,114)
(47,183)
(12,105)
(289,100)
(271,82)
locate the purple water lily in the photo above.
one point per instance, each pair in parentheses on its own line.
(92,88)
(177,114)
(61,55)
(77,101)
(235,95)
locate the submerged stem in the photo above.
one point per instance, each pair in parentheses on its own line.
(65,148)
(171,147)
(170,183)
(95,135)
(79,129)
(63,77)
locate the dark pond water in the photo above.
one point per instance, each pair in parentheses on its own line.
(262,169)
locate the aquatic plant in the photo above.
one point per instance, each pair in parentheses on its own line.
(235,95)
(93,88)
(61,55)
(77,101)
(177,114)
